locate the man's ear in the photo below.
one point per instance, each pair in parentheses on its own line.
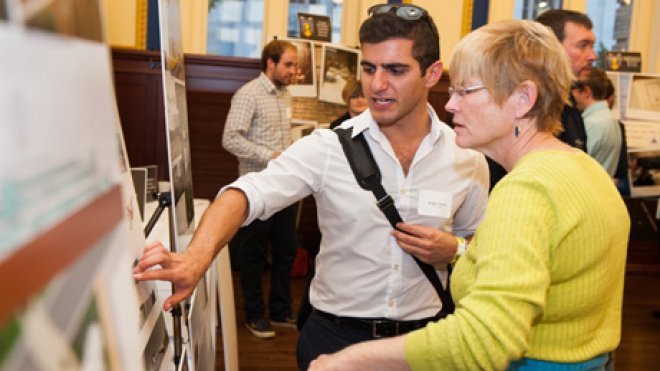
(270,65)
(433,74)
(525,97)
(588,92)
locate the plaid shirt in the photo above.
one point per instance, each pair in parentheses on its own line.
(258,124)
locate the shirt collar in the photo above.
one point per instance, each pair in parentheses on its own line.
(368,123)
(269,86)
(594,107)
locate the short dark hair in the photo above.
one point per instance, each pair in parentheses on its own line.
(610,89)
(273,51)
(556,19)
(423,33)
(599,83)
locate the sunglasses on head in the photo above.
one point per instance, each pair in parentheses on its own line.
(407,12)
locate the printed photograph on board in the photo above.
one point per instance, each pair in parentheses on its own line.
(644,97)
(339,65)
(176,120)
(304,83)
(79,18)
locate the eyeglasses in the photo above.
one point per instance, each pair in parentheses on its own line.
(407,12)
(578,85)
(461,91)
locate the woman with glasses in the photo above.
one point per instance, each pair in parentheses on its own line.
(540,285)
(355,100)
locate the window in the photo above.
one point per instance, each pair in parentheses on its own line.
(330,8)
(611,19)
(530,9)
(235,27)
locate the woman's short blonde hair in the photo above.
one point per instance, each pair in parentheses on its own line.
(504,54)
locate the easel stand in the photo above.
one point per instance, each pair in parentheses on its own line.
(165,201)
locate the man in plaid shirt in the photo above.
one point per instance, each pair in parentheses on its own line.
(258,130)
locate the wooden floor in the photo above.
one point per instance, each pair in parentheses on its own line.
(639,349)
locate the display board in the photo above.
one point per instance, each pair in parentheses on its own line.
(643,100)
(199,325)
(176,120)
(339,65)
(304,83)
(66,284)
(644,172)
(65,17)
(153,339)
(639,111)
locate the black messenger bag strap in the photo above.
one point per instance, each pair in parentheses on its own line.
(367,174)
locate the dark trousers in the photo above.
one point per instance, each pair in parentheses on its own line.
(323,336)
(280,230)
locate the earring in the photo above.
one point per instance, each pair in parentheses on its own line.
(516,131)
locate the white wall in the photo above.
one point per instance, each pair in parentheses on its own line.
(645,28)
(448,17)
(120,22)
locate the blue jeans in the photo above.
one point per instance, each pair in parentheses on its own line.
(280,230)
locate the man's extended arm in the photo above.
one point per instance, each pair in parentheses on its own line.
(218,225)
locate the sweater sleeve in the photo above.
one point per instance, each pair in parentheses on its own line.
(500,286)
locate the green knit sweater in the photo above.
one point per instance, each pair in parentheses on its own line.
(543,276)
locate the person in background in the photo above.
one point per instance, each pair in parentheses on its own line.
(621,172)
(541,285)
(355,100)
(257,130)
(603,133)
(573,30)
(367,283)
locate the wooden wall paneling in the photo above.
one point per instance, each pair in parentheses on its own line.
(138,88)
(213,167)
(210,83)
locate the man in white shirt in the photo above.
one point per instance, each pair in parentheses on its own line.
(366,279)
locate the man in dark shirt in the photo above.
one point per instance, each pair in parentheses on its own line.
(573,29)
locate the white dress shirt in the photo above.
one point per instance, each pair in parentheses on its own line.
(360,270)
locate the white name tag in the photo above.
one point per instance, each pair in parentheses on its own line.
(288,113)
(433,203)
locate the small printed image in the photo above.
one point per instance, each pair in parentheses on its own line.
(644,97)
(79,18)
(304,83)
(340,65)
(3,10)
